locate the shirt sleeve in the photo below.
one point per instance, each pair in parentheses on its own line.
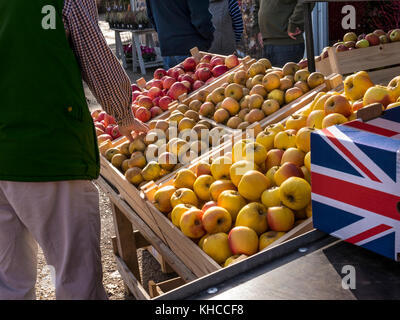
(237,20)
(201,18)
(100,69)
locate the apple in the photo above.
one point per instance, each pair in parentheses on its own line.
(394,35)
(104,137)
(186,77)
(285,139)
(295,193)
(216,61)
(243,240)
(187,84)
(338,104)
(356,85)
(135,87)
(143,114)
(380,94)
(217,247)
(333,119)
(341,48)
(254,216)
(136,94)
(363,43)
(191,223)
(100,126)
(252,184)
(95,114)
(184,195)
(197,84)
(231,61)
(274,157)
(154,92)
(176,90)
(384,39)
(208,205)
(115,134)
(220,167)
(379,32)
(218,186)
(203,168)
(168,82)
(155,111)
(372,39)
(178,211)
(267,238)
(293,155)
(271,197)
(349,36)
(280,218)
(159,73)
(216,219)
(232,201)
(285,171)
(206,58)
(189,64)
(219,70)
(164,102)
(201,187)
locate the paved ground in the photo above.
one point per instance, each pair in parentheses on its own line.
(113,283)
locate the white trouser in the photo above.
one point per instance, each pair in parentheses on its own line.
(64,219)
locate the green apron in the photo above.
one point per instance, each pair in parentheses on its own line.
(46,130)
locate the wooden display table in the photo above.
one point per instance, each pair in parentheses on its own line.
(137,58)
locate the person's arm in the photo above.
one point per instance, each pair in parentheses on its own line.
(100,68)
(237,20)
(296,20)
(201,18)
(150,15)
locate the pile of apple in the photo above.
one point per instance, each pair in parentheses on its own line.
(168,85)
(106,128)
(168,145)
(232,206)
(250,96)
(353,41)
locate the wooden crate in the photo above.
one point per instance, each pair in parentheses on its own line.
(382,62)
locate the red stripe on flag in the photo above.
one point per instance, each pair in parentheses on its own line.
(368,233)
(371,128)
(379,202)
(348,154)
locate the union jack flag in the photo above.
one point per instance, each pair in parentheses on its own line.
(355,175)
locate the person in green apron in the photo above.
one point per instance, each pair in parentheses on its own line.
(48,147)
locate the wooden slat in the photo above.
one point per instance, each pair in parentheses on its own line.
(148,233)
(130,281)
(157,289)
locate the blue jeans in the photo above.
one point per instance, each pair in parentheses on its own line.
(172,61)
(281,54)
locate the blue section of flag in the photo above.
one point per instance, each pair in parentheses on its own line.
(384,158)
(392,114)
(325,156)
(383,245)
(330,219)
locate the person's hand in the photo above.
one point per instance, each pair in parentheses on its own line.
(294,34)
(260,39)
(134,129)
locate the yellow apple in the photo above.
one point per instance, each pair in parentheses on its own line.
(202,187)
(184,195)
(314,119)
(232,201)
(268,238)
(266,139)
(303,138)
(280,218)
(216,219)
(217,247)
(379,94)
(243,240)
(307,161)
(338,104)
(270,175)
(162,198)
(293,155)
(356,85)
(295,193)
(218,186)
(284,140)
(274,157)
(254,216)
(253,184)
(220,167)
(239,168)
(184,178)
(394,87)
(234,259)
(333,119)
(271,197)
(285,171)
(255,152)
(191,225)
(177,212)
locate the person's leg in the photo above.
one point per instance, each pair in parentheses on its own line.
(279,55)
(18,255)
(64,218)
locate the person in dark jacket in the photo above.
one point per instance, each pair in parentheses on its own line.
(181,25)
(281,28)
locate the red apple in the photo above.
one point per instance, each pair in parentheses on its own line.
(218,70)
(203,74)
(155,111)
(145,102)
(115,134)
(168,82)
(157,83)
(198,84)
(186,77)
(206,58)
(217,61)
(210,80)
(341,47)
(99,125)
(135,94)
(104,137)
(95,114)
(231,61)
(164,102)
(101,116)
(209,204)
(156,101)
(143,114)
(373,39)
(135,88)
(159,73)
(176,90)
(109,129)
(189,64)
(187,84)
(203,65)
(154,92)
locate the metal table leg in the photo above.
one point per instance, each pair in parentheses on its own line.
(309,36)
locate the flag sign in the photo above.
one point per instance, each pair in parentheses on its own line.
(355,175)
